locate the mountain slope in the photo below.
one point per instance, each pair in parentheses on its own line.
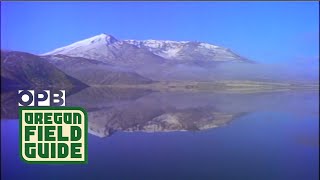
(108,49)
(188,51)
(93,72)
(19,69)
(155,59)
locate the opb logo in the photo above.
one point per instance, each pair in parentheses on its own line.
(41,98)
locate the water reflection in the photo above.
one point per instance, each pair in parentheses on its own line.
(111,110)
(264,136)
(129,110)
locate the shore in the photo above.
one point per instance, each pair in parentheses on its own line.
(221,86)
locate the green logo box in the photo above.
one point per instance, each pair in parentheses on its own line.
(53,135)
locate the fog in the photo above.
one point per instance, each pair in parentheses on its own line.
(301,72)
(290,72)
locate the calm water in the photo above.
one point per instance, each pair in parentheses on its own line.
(141,134)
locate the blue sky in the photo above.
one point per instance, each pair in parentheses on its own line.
(261,31)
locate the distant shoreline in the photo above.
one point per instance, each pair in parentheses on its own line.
(219,86)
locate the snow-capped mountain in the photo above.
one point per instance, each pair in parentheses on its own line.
(187,50)
(106,48)
(153,59)
(90,44)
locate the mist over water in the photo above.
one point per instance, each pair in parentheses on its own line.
(291,72)
(278,72)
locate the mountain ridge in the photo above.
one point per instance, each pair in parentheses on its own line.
(20,69)
(107,48)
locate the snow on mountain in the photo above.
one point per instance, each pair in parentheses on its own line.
(96,47)
(187,50)
(106,48)
(166,49)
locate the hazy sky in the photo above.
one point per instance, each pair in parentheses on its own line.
(261,31)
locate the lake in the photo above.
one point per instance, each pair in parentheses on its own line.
(145,134)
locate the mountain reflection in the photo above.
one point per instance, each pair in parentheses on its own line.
(130,110)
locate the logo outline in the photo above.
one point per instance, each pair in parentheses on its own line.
(85,161)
